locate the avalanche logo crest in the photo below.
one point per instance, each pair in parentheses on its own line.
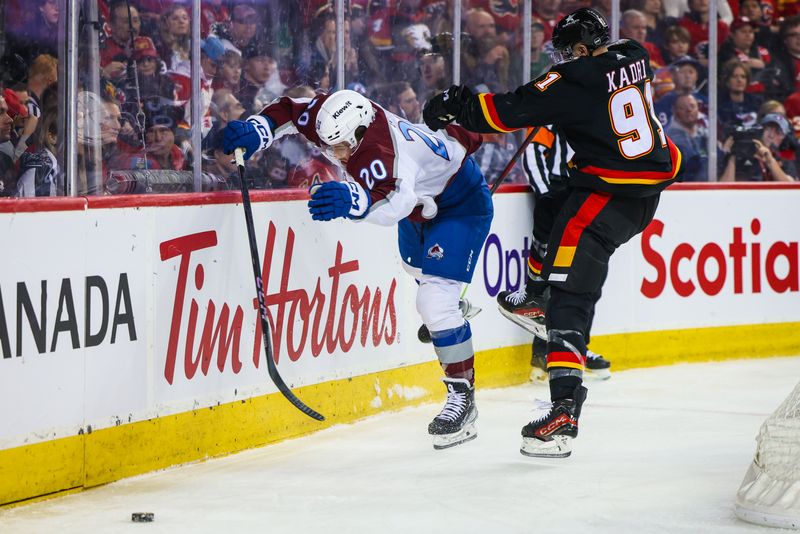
(436,252)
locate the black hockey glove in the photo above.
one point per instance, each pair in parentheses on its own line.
(444,108)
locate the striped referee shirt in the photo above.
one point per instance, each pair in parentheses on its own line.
(545,159)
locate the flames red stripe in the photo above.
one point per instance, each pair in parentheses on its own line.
(586,214)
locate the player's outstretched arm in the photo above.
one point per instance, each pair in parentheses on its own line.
(533,104)
(252,135)
(332,200)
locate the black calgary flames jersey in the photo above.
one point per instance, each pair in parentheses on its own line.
(603,105)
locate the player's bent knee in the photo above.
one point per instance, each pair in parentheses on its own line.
(437,303)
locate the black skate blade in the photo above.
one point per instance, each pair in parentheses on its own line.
(538,330)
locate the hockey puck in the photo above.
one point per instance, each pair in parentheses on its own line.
(143,517)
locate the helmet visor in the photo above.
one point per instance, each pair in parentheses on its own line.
(562,55)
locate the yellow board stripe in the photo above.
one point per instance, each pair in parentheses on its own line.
(564,256)
(70,464)
(486,115)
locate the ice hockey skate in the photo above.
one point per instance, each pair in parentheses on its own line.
(468,311)
(524,310)
(550,435)
(455,424)
(597,367)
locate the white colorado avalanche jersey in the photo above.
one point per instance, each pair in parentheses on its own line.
(402,166)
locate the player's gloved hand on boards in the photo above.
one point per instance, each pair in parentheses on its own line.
(338,199)
(253,135)
(444,108)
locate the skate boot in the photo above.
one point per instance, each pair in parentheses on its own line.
(455,424)
(597,367)
(525,310)
(468,311)
(551,435)
(539,360)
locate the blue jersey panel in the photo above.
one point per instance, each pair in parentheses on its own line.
(449,244)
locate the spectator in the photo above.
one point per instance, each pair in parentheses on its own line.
(323,53)
(38,34)
(540,60)
(160,127)
(676,43)
(369,58)
(435,78)
(752,10)
(677,8)
(153,86)
(634,26)
(218,167)
(175,38)
(656,19)
(24,125)
(213,15)
(98,121)
(260,80)
(788,56)
(771,106)
(696,23)
(8,175)
(770,158)
(485,60)
(685,73)
(244,26)
(735,106)
(42,74)
(124,28)
(229,73)
(225,107)
(406,102)
(740,44)
(690,138)
(548,13)
(39,171)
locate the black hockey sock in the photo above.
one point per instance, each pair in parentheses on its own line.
(563,387)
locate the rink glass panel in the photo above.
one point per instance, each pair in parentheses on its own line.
(293,48)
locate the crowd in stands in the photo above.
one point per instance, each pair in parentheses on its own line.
(135,103)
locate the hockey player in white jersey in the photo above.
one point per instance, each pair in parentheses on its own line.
(400,173)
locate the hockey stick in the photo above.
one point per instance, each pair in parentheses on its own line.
(251,235)
(423,334)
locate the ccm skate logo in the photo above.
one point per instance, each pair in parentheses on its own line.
(555,424)
(713,264)
(341,109)
(333,318)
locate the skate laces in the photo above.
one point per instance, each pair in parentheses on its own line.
(592,355)
(541,410)
(454,405)
(517,296)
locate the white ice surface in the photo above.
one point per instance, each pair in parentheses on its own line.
(660,450)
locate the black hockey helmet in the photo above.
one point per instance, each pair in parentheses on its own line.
(585,26)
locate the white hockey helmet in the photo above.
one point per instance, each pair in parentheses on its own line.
(341,115)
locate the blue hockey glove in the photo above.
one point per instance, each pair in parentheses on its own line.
(444,108)
(253,135)
(338,199)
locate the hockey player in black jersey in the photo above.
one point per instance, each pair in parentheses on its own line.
(599,96)
(545,163)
